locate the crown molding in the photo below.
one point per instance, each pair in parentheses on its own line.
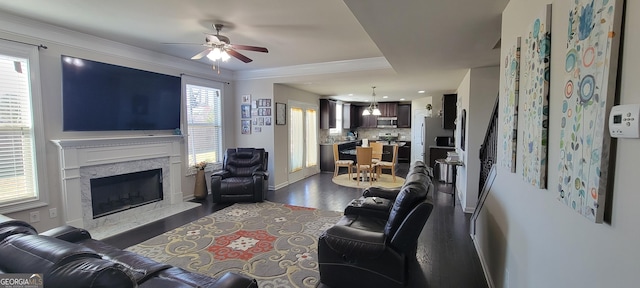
(364,64)
(43,32)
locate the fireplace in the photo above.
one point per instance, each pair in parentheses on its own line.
(83,160)
(125,191)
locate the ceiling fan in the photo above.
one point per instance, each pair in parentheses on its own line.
(219,47)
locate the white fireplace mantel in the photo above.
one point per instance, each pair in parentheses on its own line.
(78,153)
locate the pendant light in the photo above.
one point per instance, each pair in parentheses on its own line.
(373,106)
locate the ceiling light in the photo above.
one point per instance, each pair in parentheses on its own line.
(385,97)
(373,107)
(401,99)
(421,91)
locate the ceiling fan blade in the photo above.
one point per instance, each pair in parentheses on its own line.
(250,48)
(240,57)
(201,54)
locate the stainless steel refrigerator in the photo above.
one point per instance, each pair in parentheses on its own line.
(432,128)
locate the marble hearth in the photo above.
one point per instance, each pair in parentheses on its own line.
(84,159)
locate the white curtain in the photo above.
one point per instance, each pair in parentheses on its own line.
(312,138)
(297,139)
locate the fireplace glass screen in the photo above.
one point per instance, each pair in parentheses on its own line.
(121,192)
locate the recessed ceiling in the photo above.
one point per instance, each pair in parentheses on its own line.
(428,45)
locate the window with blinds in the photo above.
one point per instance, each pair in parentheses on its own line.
(17,147)
(204,124)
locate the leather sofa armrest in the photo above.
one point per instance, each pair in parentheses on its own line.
(263,174)
(89,272)
(405,237)
(222,174)
(386,193)
(68,233)
(354,243)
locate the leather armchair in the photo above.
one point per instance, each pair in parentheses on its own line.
(243,178)
(365,250)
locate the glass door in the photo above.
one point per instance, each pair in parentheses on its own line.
(303,141)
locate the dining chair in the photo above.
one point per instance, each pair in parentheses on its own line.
(389,165)
(376,152)
(363,163)
(340,163)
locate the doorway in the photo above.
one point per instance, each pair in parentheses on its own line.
(303,140)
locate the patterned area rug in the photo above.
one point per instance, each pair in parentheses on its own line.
(274,243)
(385,180)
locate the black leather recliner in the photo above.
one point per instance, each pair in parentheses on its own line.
(68,257)
(243,178)
(367,249)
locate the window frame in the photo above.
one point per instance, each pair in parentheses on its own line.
(187,80)
(30,53)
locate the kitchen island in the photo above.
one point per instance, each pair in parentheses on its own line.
(327,163)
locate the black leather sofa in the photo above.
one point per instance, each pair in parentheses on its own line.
(372,243)
(69,257)
(243,178)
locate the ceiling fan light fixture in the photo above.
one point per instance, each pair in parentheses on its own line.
(224,56)
(215,54)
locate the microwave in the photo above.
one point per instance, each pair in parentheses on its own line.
(387,122)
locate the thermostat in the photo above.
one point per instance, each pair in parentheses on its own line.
(624,121)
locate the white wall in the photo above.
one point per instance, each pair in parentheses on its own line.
(526,237)
(65,42)
(477,94)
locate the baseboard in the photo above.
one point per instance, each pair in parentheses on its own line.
(281,185)
(483,262)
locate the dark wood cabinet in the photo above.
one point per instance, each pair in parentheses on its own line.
(350,117)
(327,114)
(388,109)
(449,102)
(326,158)
(404,115)
(404,153)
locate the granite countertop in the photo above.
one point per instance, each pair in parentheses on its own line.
(338,142)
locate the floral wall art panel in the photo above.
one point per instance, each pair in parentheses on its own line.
(590,66)
(509,103)
(534,99)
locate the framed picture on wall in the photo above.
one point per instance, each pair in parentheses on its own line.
(281,114)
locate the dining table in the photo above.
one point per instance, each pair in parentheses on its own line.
(351,153)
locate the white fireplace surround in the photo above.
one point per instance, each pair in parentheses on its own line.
(85,159)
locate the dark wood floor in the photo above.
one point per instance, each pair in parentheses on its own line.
(446,255)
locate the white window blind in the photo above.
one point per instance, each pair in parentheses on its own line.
(204,124)
(338,129)
(17,156)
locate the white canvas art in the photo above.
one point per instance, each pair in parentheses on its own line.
(509,103)
(534,102)
(590,66)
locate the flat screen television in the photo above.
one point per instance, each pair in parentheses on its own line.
(104,97)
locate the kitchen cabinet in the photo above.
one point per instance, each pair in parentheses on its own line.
(404,115)
(449,102)
(388,109)
(350,117)
(327,114)
(326,158)
(404,153)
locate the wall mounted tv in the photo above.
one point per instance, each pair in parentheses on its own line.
(104,97)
